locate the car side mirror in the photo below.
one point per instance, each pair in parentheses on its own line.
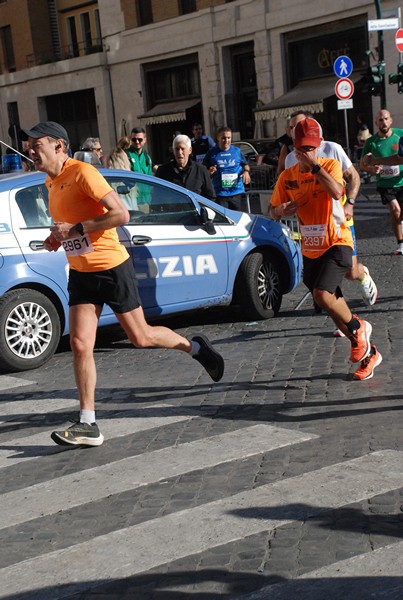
(207,218)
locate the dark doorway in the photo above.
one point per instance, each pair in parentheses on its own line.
(242,101)
(161,135)
(76,111)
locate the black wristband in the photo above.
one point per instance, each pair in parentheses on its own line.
(80,228)
(315,169)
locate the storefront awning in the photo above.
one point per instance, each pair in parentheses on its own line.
(306,95)
(168,112)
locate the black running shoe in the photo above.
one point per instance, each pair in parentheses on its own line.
(211,360)
(79,434)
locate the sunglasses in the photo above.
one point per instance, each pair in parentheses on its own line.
(137,139)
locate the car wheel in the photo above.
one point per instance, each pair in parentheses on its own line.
(258,289)
(29,330)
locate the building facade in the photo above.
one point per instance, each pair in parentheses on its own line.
(103,67)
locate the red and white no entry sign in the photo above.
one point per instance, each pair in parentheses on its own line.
(399,40)
(344,88)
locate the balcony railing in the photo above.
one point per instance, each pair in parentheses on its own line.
(64,52)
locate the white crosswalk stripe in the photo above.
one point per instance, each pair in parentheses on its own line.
(18,410)
(171,536)
(67,491)
(10,383)
(39,444)
(369,209)
(161,540)
(383,563)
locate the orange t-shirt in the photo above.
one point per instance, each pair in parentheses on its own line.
(321,218)
(74,196)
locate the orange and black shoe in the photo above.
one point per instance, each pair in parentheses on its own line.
(360,341)
(367,366)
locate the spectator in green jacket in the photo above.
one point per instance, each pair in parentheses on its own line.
(140,160)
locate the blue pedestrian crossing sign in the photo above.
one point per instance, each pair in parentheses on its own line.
(343,66)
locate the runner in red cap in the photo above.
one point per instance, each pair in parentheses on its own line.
(312,189)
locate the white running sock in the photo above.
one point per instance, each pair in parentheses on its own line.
(87,416)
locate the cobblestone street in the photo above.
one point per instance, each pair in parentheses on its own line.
(282,481)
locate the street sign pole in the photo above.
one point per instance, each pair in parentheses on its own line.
(348,151)
(381,53)
(344,89)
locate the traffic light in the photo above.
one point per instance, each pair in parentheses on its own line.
(375,78)
(397,78)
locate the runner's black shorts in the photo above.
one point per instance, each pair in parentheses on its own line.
(115,287)
(235,202)
(389,194)
(327,271)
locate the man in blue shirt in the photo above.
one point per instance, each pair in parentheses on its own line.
(201,144)
(229,170)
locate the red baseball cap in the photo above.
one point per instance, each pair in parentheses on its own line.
(307,133)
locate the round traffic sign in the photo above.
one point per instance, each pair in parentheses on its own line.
(344,88)
(399,40)
(343,66)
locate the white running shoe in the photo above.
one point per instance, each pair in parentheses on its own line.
(399,249)
(369,291)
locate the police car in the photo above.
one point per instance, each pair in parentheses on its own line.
(189,254)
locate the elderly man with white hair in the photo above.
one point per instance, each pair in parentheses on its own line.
(183,171)
(93,144)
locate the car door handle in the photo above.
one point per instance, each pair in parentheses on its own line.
(37,245)
(140,240)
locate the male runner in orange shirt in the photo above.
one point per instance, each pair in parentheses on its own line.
(313,189)
(86,212)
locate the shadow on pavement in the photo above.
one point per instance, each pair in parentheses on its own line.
(151,587)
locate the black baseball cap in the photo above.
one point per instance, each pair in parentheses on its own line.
(46,129)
